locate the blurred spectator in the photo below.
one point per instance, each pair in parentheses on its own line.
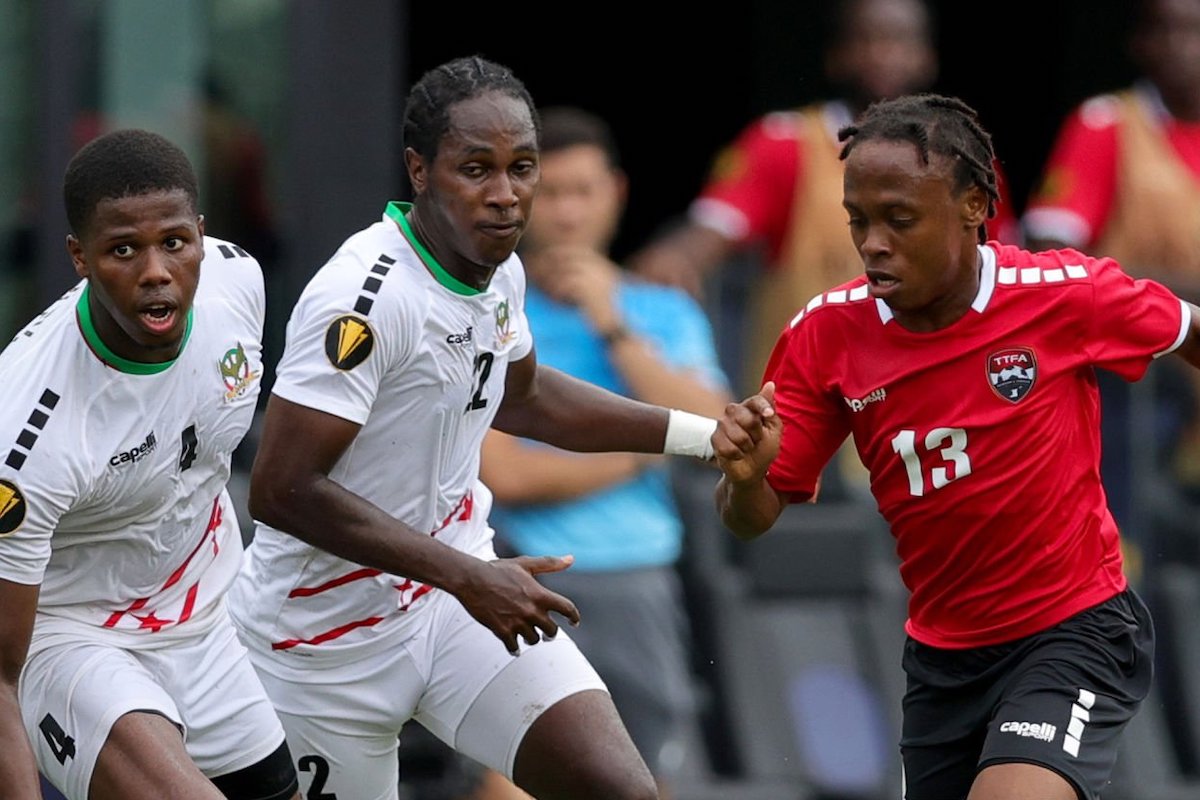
(613,511)
(1123,180)
(779,184)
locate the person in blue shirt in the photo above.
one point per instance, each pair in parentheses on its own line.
(614,512)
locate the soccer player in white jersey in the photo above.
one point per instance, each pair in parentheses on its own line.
(123,403)
(371,594)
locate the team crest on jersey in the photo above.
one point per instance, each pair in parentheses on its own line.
(12,508)
(236,372)
(1012,372)
(504,331)
(348,341)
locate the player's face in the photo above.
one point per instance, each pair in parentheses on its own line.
(887,51)
(478,191)
(141,256)
(579,201)
(916,235)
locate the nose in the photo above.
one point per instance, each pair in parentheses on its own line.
(155,268)
(502,191)
(875,242)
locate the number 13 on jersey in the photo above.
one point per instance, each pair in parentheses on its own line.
(945,447)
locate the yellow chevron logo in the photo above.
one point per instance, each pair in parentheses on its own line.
(12,508)
(348,342)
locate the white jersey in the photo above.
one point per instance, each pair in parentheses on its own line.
(113,473)
(384,337)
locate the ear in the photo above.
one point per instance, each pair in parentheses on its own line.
(75,249)
(200,224)
(974,207)
(418,175)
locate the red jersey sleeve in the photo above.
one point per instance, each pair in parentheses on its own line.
(1133,320)
(756,175)
(814,422)
(1074,197)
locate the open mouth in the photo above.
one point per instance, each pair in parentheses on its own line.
(158,318)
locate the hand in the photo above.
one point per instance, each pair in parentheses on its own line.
(747,437)
(579,276)
(505,598)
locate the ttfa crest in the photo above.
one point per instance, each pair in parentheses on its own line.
(1012,372)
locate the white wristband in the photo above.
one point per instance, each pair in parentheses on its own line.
(689,435)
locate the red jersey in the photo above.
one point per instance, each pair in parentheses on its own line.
(1076,195)
(982,439)
(753,183)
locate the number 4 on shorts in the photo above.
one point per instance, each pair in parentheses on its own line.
(61,745)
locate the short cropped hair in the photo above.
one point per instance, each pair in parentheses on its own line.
(427,109)
(124,163)
(570,126)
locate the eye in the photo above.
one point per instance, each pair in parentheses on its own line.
(123,251)
(473,170)
(174,244)
(525,168)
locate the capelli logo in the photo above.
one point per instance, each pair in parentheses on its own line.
(460,338)
(877,396)
(136,452)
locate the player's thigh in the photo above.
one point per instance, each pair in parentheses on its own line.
(645,665)
(481,699)
(144,758)
(231,726)
(71,697)
(342,723)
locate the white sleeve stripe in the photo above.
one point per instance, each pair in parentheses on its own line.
(1185,324)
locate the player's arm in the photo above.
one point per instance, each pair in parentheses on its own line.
(1189,350)
(546,404)
(18,770)
(746,442)
(290,490)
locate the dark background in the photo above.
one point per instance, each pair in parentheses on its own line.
(677,85)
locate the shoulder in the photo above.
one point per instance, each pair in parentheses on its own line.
(1098,113)
(1048,268)
(229,270)
(847,301)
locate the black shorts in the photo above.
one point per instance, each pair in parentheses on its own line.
(1058,698)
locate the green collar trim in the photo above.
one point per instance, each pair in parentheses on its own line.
(396,210)
(88,328)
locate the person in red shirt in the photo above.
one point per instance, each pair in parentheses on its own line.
(964,369)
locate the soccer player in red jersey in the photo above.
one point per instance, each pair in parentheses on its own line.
(964,369)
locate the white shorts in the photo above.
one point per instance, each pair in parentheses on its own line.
(453,676)
(73,691)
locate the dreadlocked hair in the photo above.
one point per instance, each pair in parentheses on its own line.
(427,110)
(935,124)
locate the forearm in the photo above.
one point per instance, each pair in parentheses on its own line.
(749,508)
(326,515)
(18,770)
(574,415)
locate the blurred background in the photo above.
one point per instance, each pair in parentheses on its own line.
(291,110)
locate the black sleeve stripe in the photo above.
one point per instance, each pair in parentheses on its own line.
(240,252)
(226,250)
(28,438)
(372,284)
